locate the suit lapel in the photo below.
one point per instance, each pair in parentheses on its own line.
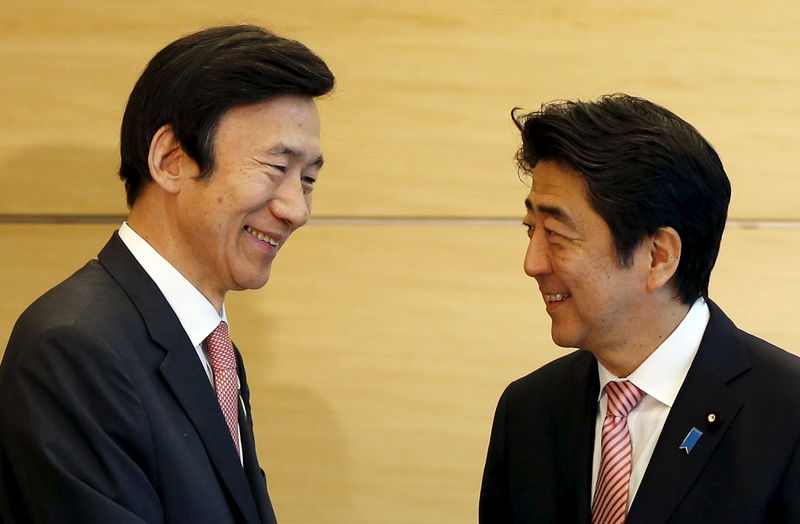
(672,471)
(575,419)
(182,371)
(251,467)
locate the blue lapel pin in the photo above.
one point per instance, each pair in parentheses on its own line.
(690,440)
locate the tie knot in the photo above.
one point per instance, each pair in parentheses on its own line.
(622,398)
(220,349)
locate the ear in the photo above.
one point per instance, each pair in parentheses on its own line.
(665,254)
(168,162)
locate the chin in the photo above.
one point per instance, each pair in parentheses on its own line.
(564,340)
(260,283)
(253,281)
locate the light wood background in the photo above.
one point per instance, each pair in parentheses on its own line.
(391,324)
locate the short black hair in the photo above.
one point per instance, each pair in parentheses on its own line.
(644,168)
(192,82)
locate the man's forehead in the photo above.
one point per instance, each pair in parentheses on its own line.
(551,181)
(563,183)
(556,211)
(558,193)
(549,195)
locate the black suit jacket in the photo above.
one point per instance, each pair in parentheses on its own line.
(107,415)
(746,470)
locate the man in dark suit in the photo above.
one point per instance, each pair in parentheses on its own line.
(667,412)
(122,398)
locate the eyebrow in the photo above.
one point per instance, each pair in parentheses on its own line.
(284,149)
(554,211)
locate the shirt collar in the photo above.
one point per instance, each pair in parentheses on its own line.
(663,372)
(196,314)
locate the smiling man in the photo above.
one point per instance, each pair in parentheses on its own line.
(667,412)
(122,398)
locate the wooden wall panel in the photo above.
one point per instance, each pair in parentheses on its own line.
(377,353)
(757,283)
(37,257)
(419,122)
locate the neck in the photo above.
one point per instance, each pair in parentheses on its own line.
(623,359)
(151,219)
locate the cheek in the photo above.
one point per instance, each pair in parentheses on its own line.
(567,264)
(238,201)
(309,201)
(584,276)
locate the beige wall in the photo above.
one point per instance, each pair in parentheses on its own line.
(378,350)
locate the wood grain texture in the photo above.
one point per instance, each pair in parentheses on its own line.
(376,354)
(418,125)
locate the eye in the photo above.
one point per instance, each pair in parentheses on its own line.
(552,236)
(529,229)
(308,183)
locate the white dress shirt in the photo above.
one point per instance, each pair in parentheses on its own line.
(660,377)
(197,315)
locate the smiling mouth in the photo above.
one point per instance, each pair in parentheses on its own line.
(556,297)
(262,236)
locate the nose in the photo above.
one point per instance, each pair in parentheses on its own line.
(537,256)
(290,203)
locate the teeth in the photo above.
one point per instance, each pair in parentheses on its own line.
(261,236)
(556,297)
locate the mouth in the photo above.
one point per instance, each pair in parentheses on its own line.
(262,236)
(551,298)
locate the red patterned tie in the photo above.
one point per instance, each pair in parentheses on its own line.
(610,504)
(226,382)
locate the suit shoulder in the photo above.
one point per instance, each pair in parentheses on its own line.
(71,297)
(779,369)
(555,374)
(753,367)
(87,291)
(86,305)
(770,354)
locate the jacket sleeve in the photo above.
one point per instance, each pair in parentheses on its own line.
(75,442)
(494,506)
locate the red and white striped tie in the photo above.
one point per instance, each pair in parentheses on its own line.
(610,504)
(226,381)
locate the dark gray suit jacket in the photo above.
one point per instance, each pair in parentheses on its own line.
(746,470)
(107,416)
